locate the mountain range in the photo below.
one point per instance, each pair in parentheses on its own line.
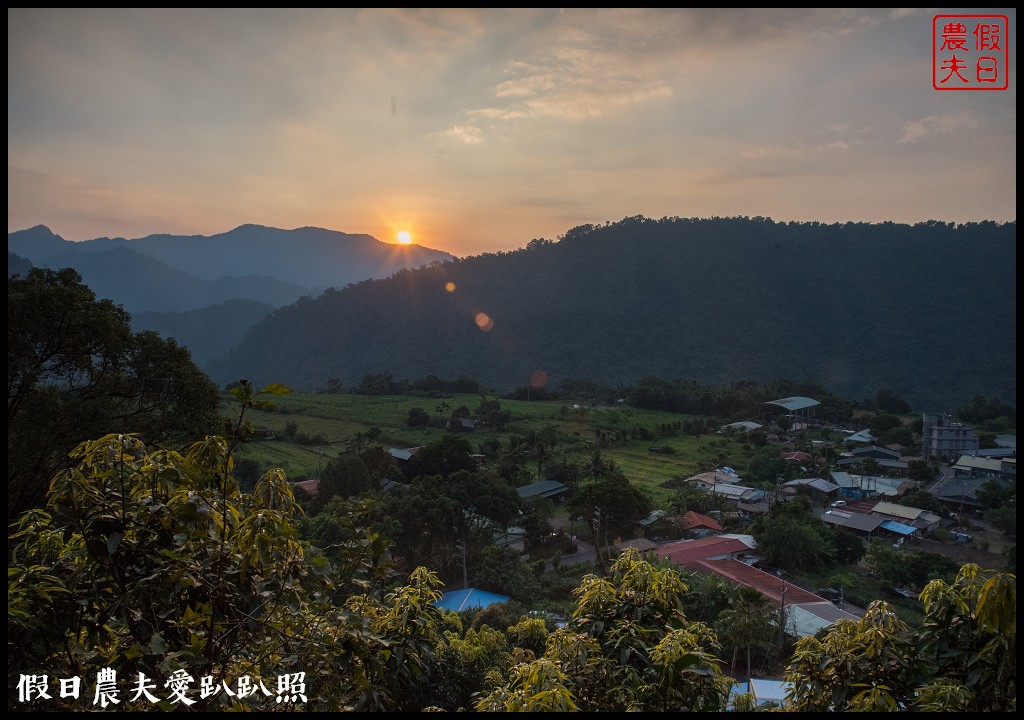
(926,310)
(173,273)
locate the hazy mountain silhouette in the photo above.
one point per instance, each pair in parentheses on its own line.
(143,283)
(158,277)
(208,331)
(928,311)
(17,265)
(308,257)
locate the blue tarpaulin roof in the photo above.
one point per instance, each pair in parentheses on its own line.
(457,600)
(896,527)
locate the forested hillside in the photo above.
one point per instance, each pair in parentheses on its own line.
(926,310)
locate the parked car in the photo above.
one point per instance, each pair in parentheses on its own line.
(839,504)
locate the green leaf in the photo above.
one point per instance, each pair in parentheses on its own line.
(276,389)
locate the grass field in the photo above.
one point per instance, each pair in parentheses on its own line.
(336,418)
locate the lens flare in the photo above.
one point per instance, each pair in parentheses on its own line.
(484,322)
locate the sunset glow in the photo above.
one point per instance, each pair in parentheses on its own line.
(486,128)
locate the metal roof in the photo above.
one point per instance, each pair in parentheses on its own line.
(769,690)
(809,618)
(458,600)
(745,424)
(717,546)
(897,527)
(819,484)
(853,520)
(693,519)
(794,403)
(862,436)
(543,488)
(901,511)
(400,454)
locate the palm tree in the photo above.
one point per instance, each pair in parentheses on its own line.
(749,622)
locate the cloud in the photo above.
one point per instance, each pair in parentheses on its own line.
(796,150)
(944,124)
(466,133)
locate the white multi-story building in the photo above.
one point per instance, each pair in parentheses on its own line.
(941,437)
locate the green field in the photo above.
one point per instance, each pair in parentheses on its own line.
(336,418)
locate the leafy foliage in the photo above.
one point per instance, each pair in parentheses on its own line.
(153,561)
(627,647)
(961,659)
(76,372)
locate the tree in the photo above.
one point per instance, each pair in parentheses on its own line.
(888,401)
(500,570)
(627,647)
(76,372)
(441,457)
(790,537)
(344,476)
(708,594)
(620,505)
(379,463)
(418,417)
(850,548)
(749,622)
(436,512)
(969,637)
(962,657)
(152,561)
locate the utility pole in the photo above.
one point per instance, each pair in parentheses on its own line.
(460,548)
(597,539)
(782,617)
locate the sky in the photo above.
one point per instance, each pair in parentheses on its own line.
(478,130)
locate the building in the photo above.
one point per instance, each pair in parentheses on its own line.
(818,488)
(857,487)
(745,426)
(798,409)
(873,451)
(969,466)
(862,436)
(696,524)
(551,489)
(914,518)
(941,437)
(402,455)
(858,522)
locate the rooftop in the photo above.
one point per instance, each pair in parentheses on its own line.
(794,403)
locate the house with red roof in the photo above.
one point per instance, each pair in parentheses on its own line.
(696,523)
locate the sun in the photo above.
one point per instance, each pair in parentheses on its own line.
(404,238)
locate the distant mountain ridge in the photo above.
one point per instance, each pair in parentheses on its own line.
(278,266)
(206,332)
(928,311)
